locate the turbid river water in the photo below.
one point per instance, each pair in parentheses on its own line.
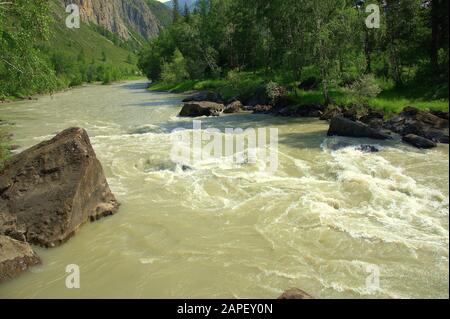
(335,222)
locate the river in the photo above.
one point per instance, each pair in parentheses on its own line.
(331,221)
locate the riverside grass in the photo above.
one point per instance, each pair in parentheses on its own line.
(391,100)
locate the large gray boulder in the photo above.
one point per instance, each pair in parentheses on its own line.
(15,258)
(340,126)
(48,191)
(424,124)
(197,109)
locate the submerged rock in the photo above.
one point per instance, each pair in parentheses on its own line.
(420,123)
(148,129)
(197,109)
(152,165)
(54,187)
(367,149)
(340,126)
(419,142)
(295,294)
(15,258)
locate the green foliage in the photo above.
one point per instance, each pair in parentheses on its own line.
(274,91)
(364,89)
(40,54)
(23,68)
(176,70)
(130,45)
(291,40)
(161,12)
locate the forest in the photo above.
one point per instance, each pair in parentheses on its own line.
(40,55)
(236,45)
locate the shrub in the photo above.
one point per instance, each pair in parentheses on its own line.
(364,89)
(242,84)
(274,91)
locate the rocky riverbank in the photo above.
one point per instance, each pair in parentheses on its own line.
(421,129)
(46,194)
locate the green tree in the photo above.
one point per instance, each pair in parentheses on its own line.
(175,71)
(290,40)
(187,12)
(23,26)
(176,11)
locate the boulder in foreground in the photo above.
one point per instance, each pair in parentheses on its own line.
(15,258)
(340,126)
(197,109)
(295,294)
(53,188)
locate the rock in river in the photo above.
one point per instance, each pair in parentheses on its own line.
(15,258)
(234,107)
(53,188)
(419,142)
(197,109)
(295,294)
(420,123)
(340,126)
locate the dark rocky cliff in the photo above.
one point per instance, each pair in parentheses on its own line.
(122,17)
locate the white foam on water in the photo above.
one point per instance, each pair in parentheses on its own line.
(405,211)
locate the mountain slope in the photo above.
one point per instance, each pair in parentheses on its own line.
(86,40)
(126,18)
(162,12)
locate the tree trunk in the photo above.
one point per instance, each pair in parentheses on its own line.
(367,51)
(325,88)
